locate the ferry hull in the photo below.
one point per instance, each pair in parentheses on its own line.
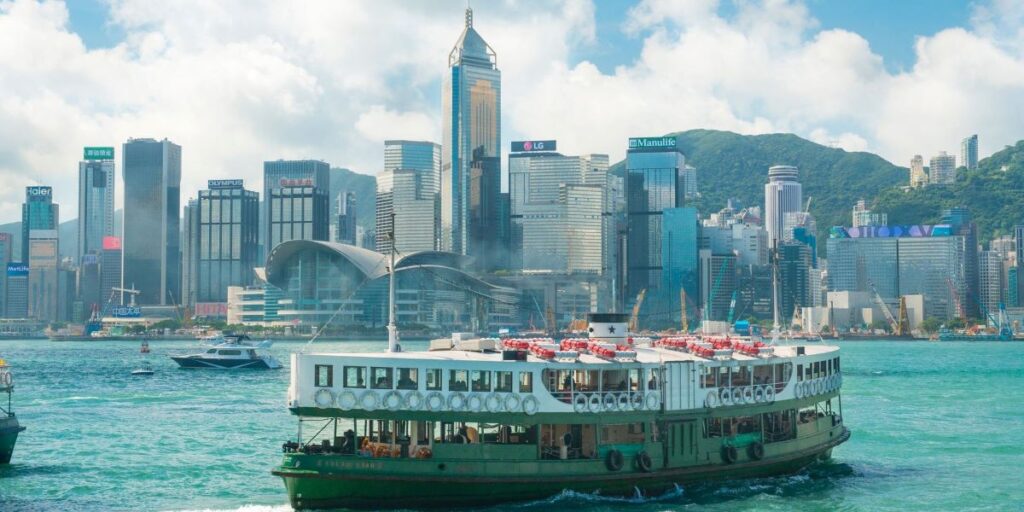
(318,489)
(9,430)
(220,364)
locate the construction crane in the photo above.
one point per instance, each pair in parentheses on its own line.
(682,306)
(884,307)
(956,298)
(130,291)
(634,319)
(903,325)
(732,306)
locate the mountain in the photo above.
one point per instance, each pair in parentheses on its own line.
(365,188)
(994,193)
(730,165)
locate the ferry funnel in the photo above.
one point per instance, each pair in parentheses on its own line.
(608,327)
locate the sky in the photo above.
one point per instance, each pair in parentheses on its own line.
(237,82)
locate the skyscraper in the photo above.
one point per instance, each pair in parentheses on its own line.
(486,223)
(280,174)
(679,256)
(942,170)
(224,224)
(782,194)
(17,290)
(794,278)
(918,178)
(969,152)
(38,212)
(5,258)
(425,158)
(44,275)
(297,210)
(654,168)
(152,231)
(471,117)
(110,271)
(345,230)
(560,211)
(95,200)
(408,195)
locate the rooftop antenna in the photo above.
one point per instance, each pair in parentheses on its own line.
(469,15)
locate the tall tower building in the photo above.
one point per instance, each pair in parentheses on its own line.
(95,200)
(281,174)
(471,112)
(942,170)
(224,224)
(345,230)
(654,169)
(38,212)
(782,194)
(110,271)
(969,152)
(405,196)
(918,178)
(152,223)
(425,158)
(297,210)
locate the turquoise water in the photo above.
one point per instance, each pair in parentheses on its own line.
(935,427)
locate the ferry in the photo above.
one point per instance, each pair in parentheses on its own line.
(9,427)
(485,421)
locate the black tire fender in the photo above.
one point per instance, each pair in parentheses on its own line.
(614,460)
(756,451)
(729,454)
(644,462)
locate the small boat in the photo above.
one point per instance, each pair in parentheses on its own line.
(236,351)
(143,370)
(145,347)
(9,426)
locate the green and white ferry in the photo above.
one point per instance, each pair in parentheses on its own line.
(9,426)
(481,421)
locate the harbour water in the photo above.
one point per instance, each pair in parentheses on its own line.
(935,427)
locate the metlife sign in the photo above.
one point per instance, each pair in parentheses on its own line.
(652,143)
(526,146)
(222,184)
(98,153)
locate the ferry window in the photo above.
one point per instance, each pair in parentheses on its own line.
(230,352)
(626,433)
(503,382)
(614,380)
(433,379)
(585,380)
(741,376)
(709,377)
(355,377)
(481,380)
(324,375)
(634,379)
(817,369)
(459,381)
(799,372)
(762,374)
(211,351)
(525,382)
(652,379)
(408,378)
(380,378)
(723,377)
(837,364)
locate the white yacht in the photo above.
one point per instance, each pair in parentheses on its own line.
(234,352)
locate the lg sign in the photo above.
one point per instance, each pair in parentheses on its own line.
(523,146)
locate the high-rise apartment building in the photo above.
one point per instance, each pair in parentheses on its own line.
(223,230)
(560,209)
(782,194)
(918,178)
(38,212)
(96,181)
(152,222)
(990,282)
(654,167)
(863,216)
(281,174)
(794,278)
(969,152)
(345,231)
(942,170)
(471,119)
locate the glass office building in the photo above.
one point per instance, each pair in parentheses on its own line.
(224,225)
(654,167)
(471,119)
(95,200)
(406,197)
(152,220)
(279,174)
(37,212)
(297,211)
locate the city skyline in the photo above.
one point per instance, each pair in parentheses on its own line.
(575,63)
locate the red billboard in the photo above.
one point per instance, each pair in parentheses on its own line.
(111,243)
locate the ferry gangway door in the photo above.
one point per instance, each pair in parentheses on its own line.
(679,392)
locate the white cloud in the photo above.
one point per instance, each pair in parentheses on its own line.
(236,82)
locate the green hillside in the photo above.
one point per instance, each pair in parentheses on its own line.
(994,193)
(365,188)
(730,165)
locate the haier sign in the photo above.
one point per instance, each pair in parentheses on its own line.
(38,192)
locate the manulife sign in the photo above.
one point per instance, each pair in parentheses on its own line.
(98,153)
(652,142)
